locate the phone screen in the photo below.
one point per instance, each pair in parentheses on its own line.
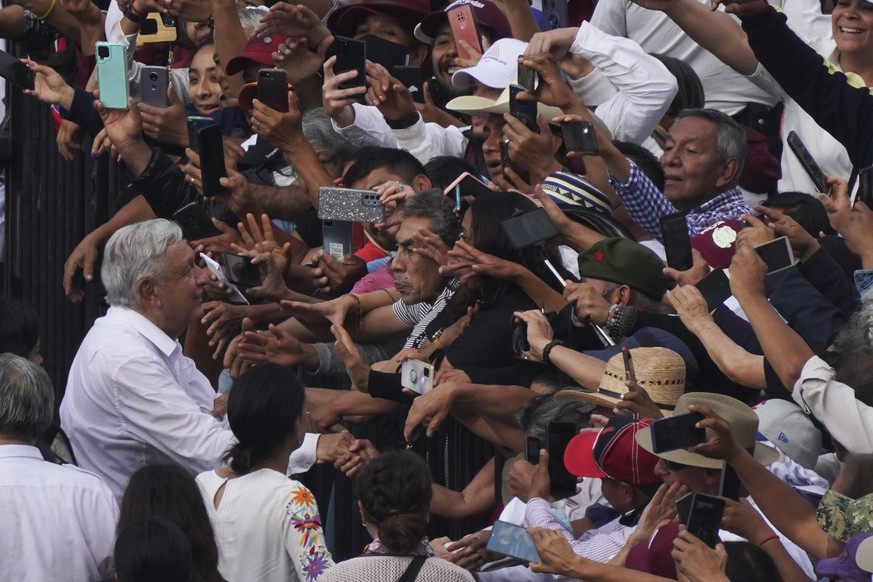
(558,437)
(524,111)
(677,243)
(579,137)
(512,540)
(212,160)
(677,432)
(865,187)
(715,288)
(528,229)
(629,374)
(704,520)
(532,448)
(777,254)
(241,271)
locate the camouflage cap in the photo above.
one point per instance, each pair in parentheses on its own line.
(843,517)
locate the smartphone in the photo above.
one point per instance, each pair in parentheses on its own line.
(704,518)
(215,269)
(351,55)
(865,187)
(558,436)
(438,94)
(240,270)
(528,78)
(195,124)
(15,71)
(194,222)
(777,254)
(273,89)
(579,137)
(155,82)
(524,111)
(555,14)
(417,376)
(813,170)
(629,374)
(212,160)
(469,184)
(157,27)
(462,21)
(412,79)
(337,238)
(730,485)
(350,205)
(677,432)
(677,242)
(528,229)
(532,448)
(112,75)
(715,288)
(512,540)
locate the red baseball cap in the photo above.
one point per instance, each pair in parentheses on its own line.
(345,19)
(716,244)
(613,452)
(259,50)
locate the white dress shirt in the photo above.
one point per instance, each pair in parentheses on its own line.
(58,522)
(133,399)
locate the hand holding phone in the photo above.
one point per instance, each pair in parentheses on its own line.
(417,376)
(558,436)
(273,89)
(677,432)
(629,374)
(464,26)
(524,111)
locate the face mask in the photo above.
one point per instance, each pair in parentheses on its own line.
(386,53)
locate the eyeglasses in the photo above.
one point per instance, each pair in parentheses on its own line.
(674,466)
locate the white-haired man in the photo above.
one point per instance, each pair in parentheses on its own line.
(132,398)
(58,521)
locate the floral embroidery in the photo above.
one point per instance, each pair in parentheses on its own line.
(308,528)
(315,565)
(302,496)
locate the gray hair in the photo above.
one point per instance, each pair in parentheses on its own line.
(535,418)
(320,133)
(250,18)
(730,137)
(437,207)
(638,300)
(134,253)
(27,400)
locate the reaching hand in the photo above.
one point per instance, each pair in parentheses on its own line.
(556,555)
(338,102)
(49,86)
(637,401)
(430,410)
(803,244)
(83,257)
(356,366)
(386,93)
(539,332)
(165,124)
(690,306)
(697,562)
(748,272)
(283,130)
(123,126)
(276,346)
(528,481)
(589,304)
(855,224)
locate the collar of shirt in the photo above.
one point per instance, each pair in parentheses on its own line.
(145,327)
(728,204)
(25,451)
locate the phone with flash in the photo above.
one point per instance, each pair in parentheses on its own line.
(417,376)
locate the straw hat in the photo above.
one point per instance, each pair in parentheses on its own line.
(473,105)
(742,420)
(660,371)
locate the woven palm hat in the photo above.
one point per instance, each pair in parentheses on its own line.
(742,420)
(660,371)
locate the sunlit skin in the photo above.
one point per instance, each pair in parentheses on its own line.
(204,82)
(852,28)
(416,276)
(178,300)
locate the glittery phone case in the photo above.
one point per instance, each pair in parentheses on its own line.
(349,205)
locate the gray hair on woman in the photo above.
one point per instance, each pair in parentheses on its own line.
(134,253)
(26,398)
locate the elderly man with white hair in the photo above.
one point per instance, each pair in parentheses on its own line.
(58,521)
(132,397)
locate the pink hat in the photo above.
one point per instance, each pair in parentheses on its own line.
(258,50)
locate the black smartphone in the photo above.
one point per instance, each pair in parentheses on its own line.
(579,137)
(438,93)
(240,270)
(865,187)
(677,432)
(730,485)
(677,242)
(555,14)
(715,288)
(411,79)
(813,170)
(704,518)
(273,89)
(155,82)
(524,111)
(532,448)
(15,71)
(528,78)
(351,55)
(777,254)
(212,160)
(195,124)
(629,374)
(194,222)
(558,436)
(528,229)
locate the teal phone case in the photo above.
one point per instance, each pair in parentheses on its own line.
(112,75)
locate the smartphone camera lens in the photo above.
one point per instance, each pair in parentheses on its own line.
(103,52)
(153,77)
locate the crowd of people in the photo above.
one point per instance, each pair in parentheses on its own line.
(592,221)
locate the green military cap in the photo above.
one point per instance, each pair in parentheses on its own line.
(844,517)
(625,262)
